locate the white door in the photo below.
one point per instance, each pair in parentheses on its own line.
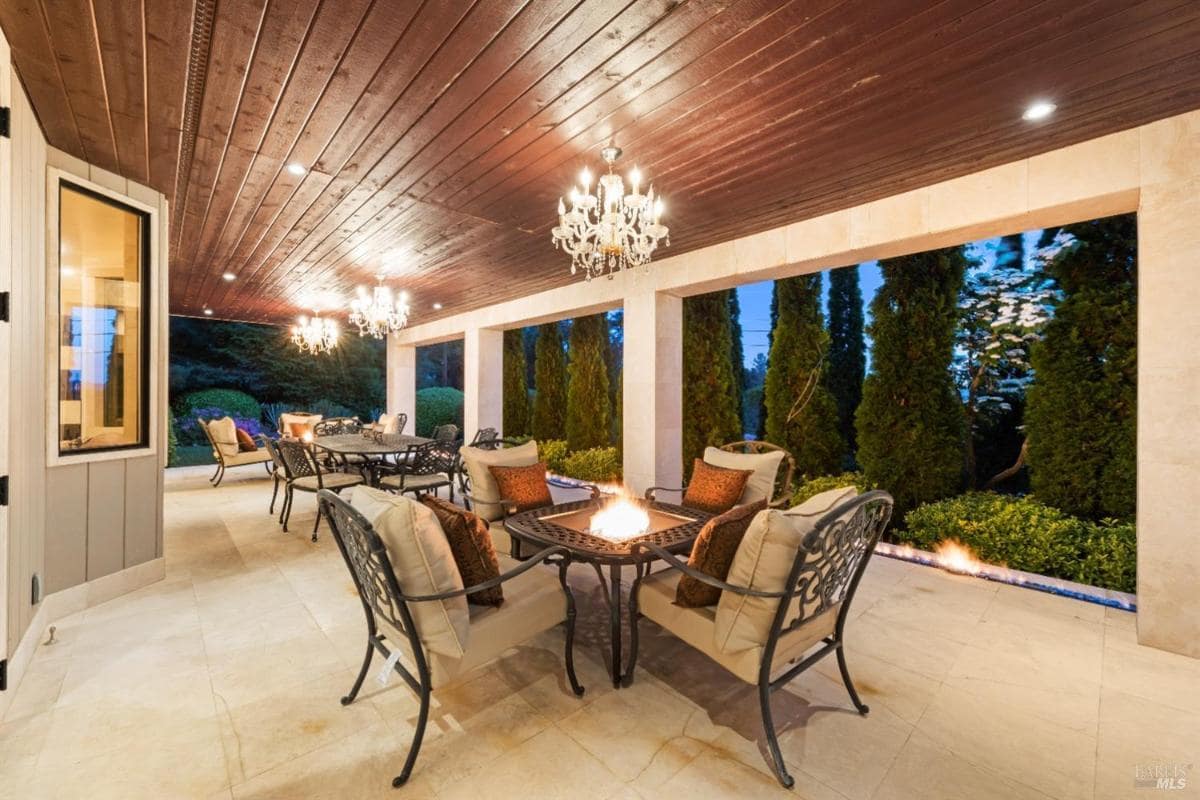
(5,332)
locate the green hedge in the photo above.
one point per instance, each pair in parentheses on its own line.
(231,401)
(1025,534)
(438,405)
(814,486)
(602,464)
(552,453)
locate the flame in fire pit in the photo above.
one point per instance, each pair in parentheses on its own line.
(619,520)
(957,557)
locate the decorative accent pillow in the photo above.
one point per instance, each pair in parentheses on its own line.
(763,561)
(245,441)
(714,489)
(526,487)
(471,545)
(483,486)
(423,563)
(760,485)
(224,435)
(389,423)
(297,429)
(713,554)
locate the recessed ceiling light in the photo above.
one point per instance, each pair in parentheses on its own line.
(437,306)
(1039,110)
(229,276)
(208,312)
(296,168)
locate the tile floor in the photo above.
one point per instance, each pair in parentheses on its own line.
(223,680)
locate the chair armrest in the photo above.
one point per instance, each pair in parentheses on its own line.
(674,562)
(525,566)
(649,495)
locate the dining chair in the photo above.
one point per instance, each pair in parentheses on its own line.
(304,474)
(423,468)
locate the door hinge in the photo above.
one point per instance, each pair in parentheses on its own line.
(3,675)
(3,490)
(5,117)
(4,307)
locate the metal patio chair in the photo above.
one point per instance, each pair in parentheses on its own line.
(390,618)
(236,459)
(422,468)
(810,610)
(304,474)
(781,495)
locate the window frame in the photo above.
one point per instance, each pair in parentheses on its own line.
(148,391)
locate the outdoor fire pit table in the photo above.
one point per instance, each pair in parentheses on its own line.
(671,527)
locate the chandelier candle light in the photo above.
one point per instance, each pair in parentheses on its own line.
(315,335)
(609,231)
(377,312)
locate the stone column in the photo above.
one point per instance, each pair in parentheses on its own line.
(402,381)
(483,380)
(652,427)
(1168,461)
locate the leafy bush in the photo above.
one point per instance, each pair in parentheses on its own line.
(328,409)
(595,464)
(438,405)
(189,427)
(814,486)
(271,412)
(1025,534)
(172,439)
(230,402)
(552,453)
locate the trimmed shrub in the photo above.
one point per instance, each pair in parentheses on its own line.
(438,405)
(1025,534)
(814,486)
(328,409)
(601,464)
(552,453)
(230,402)
(172,439)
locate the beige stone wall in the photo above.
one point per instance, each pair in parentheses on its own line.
(1154,170)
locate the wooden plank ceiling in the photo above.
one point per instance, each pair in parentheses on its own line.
(438,135)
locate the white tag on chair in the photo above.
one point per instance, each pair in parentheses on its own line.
(389,667)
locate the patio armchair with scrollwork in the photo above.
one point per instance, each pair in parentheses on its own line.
(226,451)
(775,471)
(807,610)
(422,468)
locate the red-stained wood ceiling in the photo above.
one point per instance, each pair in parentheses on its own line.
(439,135)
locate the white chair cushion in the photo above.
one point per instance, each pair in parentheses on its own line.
(286,420)
(697,627)
(329,480)
(253,457)
(423,563)
(483,485)
(388,423)
(763,561)
(761,483)
(414,482)
(224,435)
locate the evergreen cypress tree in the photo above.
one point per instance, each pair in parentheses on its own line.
(847,351)
(738,354)
(910,420)
(589,412)
(709,389)
(801,413)
(1081,410)
(761,433)
(516,390)
(550,402)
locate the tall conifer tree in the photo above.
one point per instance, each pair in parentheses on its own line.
(516,390)
(801,413)
(589,410)
(550,400)
(738,353)
(710,415)
(910,420)
(847,350)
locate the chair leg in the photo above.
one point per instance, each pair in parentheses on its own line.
(777,765)
(218,476)
(627,678)
(287,508)
(216,473)
(274,494)
(862,707)
(317,523)
(570,648)
(415,747)
(362,673)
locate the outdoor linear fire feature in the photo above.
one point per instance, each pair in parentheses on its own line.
(955,557)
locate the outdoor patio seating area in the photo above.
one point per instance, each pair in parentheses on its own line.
(223,680)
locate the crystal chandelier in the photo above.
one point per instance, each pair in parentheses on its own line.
(610,230)
(315,335)
(377,313)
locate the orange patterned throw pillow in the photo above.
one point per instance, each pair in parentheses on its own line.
(525,487)
(245,441)
(472,548)
(715,489)
(298,429)
(713,554)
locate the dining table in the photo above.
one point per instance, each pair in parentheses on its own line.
(368,443)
